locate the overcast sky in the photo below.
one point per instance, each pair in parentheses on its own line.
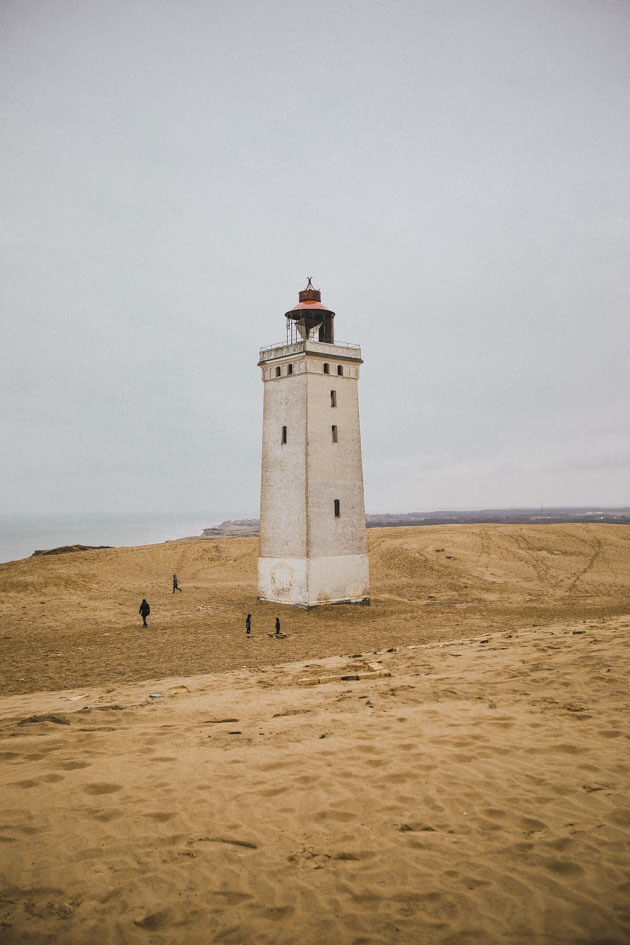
(453,174)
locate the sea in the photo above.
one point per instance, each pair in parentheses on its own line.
(21,535)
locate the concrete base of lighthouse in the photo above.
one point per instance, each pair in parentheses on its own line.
(312,582)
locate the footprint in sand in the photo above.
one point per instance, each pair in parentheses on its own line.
(620,817)
(273,792)
(281,715)
(340,815)
(228,897)
(274,765)
(561,844)
(101,787)
(230,841)
(156,920)
(395,777)
(529,825)
(473,882)
(520,848)
(563,867)
(275,913)
(494,812)
(368,749)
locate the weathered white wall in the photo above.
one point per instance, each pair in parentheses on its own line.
(309,582)
(334,470)
(283,468)
(333,579)
(283,580)
(307,555)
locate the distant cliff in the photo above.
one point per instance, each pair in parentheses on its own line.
(239,528)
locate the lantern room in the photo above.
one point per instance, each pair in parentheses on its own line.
(310,320)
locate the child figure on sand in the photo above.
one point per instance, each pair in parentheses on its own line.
(176,586)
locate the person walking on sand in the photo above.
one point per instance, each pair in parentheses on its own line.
(144,611)
(176,586)
(248,625)
(277,626)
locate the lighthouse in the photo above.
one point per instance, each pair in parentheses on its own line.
(313,547)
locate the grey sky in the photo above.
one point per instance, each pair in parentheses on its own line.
(454,176)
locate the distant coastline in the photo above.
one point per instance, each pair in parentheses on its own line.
(24,536)
(240,528)
(516,516)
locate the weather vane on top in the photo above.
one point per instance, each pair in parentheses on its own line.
(309,284)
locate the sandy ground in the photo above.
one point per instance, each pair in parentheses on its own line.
(478,794)
(72,620)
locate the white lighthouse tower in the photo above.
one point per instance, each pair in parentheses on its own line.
(313,547)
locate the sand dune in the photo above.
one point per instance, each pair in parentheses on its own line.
(476,795)
(72,620)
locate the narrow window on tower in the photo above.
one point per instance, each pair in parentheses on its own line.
(327,369)
(340,370)
(337,508)
(289,369)
(278,371)
(334,434)
(284,434)
(333,398)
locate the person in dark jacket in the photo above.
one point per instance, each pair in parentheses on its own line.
(277,626)
(144,611)
(248,624)
(176,586)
